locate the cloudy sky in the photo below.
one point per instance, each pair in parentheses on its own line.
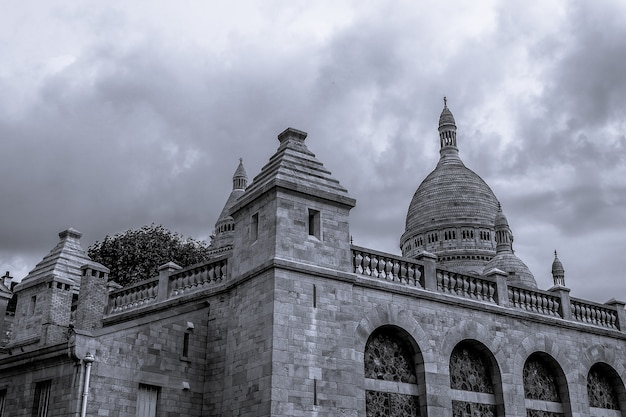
(114,115)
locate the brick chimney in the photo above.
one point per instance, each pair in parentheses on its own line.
(93,296)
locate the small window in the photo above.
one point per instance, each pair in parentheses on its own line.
(42,399)
(314,223)
(254,227)
(32,305)
(186,344)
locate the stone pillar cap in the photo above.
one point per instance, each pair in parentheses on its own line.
(291,133)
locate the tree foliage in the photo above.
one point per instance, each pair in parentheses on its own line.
(136,255)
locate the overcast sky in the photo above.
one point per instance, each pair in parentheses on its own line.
(115,115)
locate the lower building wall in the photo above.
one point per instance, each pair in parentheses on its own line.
(19,384)
(291,342)
(319,346)
(150,351)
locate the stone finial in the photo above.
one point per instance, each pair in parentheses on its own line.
(70,233)
(292,134)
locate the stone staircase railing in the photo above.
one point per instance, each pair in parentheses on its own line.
(493,288)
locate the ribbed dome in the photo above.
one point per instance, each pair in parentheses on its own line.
(452,212)
(557,266)
(452,193)
(517,271)
(501,220)
(446,117)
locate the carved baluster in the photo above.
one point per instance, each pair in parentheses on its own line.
(396,270)
(479,290)
(374,266)
(388,270)
(382,262)
(403,272)
(204,276)
(592,314)
(418,276)
(366,264)
(522,298)
(472,287)
(600,314)
(534,301)
(410,272)
(465,281)
(492,291)
(543,306)
(587,313)
(451,286)
(557,304)
(358,263)
(455,284)
(440,282)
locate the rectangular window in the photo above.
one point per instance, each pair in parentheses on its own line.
(42,399)
(314,223)
(147,398)
(32,305)
(186,345)
(254,227)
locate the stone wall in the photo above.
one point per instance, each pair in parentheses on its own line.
(150,350)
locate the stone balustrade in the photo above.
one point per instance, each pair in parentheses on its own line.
(197,277)
(536,301)
(387,267)
(476,288)
(422,273)
(596,314)
(172,282)
(135,296)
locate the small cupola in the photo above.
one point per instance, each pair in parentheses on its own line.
(504,236)
(558,272)
(240,178)
(447,130)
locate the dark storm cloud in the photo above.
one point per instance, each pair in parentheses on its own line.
(146,123)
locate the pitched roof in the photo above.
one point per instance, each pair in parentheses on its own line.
(295,167)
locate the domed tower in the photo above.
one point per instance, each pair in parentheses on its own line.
(505,259)
(452,212)
(225,225)
(558,272)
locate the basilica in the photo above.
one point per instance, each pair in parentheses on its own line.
(290,318)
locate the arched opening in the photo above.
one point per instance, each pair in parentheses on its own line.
(605,390)
(545,387)
(394,375)
(475,381)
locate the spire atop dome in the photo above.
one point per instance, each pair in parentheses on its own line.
(504,236)
(447,131)
(240,177)
(558,272)
(505,259)
(225,226)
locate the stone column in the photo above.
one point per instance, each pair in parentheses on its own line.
(566,305)
(430,270)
